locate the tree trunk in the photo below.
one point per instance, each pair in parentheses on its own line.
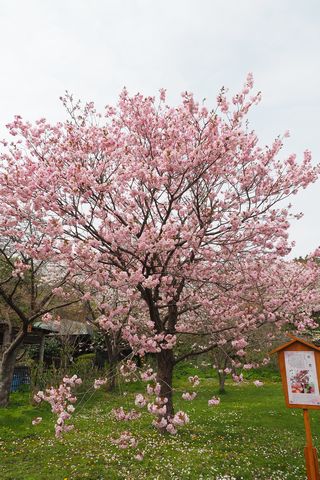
(222,379)
(6,376)
(6,335)
(112,372)
(165,364)
(42,348)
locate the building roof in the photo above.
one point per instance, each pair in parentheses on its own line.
(294,340)
(65,327)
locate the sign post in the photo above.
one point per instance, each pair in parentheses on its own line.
(299,363)
(310,453)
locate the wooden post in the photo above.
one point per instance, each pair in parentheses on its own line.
(310,452)
(41,349)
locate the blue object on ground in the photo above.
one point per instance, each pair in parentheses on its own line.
(21,376)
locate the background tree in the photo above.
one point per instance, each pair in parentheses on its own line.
(25,294)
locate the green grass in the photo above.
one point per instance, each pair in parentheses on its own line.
(250,435)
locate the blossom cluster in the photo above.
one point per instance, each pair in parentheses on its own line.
(158,408)
(120,414)
(151,343)
(170,423)
(99,382)
(189,396)
(20,268)
(61,400)
(127,370)
(258,383)
(195,381)
(237,378)
(214,401)
(148,375)
(125,440)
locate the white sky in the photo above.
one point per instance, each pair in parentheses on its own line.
(94,47)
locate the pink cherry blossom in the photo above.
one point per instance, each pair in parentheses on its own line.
(128,368)
(36,421)
(99,382)
(148,375)
(171,429)
(139,456)
(258,383)
(180,418)
(189,396)
(195,381)
(120,415)
(140,401)
(237,378)
(160,423)
(125,440)
(248,366)
(155,409)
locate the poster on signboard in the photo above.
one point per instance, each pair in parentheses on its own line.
(302,379)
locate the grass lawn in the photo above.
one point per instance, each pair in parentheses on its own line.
(250,435)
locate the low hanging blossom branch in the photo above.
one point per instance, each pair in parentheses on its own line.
(158,406)
(61,400)
(128,371)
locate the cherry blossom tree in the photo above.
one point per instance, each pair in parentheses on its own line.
(178,208)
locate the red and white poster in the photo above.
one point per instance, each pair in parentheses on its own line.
(302,379)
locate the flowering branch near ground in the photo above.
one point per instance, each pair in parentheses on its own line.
(61,400)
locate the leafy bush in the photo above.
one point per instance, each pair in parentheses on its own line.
(52,348)
(186,369)
(270,372)
(42,378)
(86,358)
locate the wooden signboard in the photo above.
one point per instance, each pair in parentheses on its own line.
(299,363)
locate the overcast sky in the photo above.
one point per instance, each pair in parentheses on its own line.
(94,48)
